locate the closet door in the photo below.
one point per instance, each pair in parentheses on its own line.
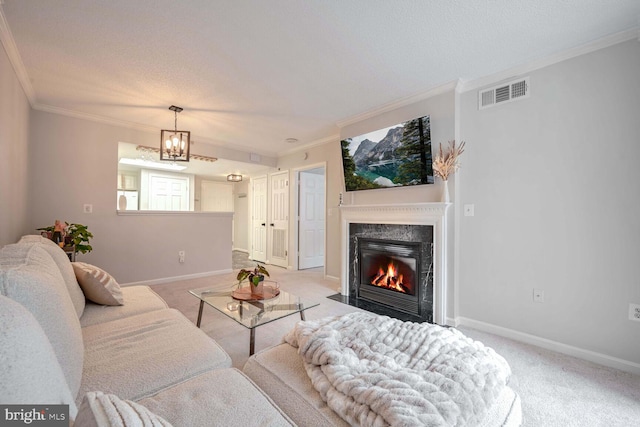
(279,219)
(259,218)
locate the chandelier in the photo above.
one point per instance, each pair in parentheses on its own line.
(175,144)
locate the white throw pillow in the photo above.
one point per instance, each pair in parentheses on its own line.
(108,410)
(98,285)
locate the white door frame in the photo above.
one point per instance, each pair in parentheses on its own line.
(296,205)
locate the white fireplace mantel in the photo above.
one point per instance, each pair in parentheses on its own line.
(434,214)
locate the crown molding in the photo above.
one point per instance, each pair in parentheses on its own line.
(10,47)
(513,72)
(450,86)
(93,118)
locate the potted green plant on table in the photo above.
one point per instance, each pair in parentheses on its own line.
(255,276)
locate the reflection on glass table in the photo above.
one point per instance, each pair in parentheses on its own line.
(251,313)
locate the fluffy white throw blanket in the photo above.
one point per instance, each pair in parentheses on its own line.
(376,371)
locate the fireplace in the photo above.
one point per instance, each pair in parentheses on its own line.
(392,266)
(388,273)
(379,240)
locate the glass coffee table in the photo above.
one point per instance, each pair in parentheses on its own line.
(250,313)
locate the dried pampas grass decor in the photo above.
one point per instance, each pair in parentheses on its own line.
(446,162)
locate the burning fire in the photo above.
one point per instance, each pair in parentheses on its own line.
(390,279)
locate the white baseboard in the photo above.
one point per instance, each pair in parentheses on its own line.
(176,278)
(581,353)
(335,280)
(246,251)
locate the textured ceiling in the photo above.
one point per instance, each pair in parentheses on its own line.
(250,74)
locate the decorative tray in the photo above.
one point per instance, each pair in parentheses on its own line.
(248,293)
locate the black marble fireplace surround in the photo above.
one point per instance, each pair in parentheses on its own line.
(411,245)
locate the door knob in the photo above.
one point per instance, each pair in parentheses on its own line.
(263,224)
(271,224)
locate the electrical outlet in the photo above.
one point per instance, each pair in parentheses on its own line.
(87,208)
(634,312)
(180,257)
(538,295)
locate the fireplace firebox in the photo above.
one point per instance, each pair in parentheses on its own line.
(389,272)
(391,269)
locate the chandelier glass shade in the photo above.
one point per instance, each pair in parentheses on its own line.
(175,144)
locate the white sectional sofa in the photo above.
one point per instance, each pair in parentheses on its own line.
(57,348)
(142,363)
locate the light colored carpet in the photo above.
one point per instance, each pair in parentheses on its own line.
(556,390)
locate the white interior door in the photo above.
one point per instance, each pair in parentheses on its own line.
(311,225)
(169,194)
(163,191)
(259,218)
(279,225)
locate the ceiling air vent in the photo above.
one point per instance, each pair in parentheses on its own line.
(512,91)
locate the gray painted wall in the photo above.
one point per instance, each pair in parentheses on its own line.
(442,112)
(74,162)
(555,180)
(328,154)
(555,183)
(441,109)
(14,146)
